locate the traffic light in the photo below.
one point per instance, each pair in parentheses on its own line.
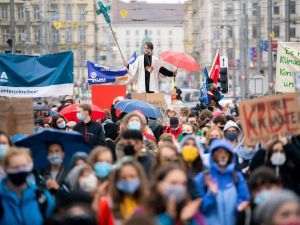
(224,80)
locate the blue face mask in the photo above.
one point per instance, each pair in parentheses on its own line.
(3,150)
(128,187)
(102,169)
(262,196)
(176,191)
(80,116)
(231,136)
(55,159)
(134,125)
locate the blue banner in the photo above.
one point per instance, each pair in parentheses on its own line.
(36,76)
(203,91)
(101,75)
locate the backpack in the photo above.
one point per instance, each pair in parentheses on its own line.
(41,199)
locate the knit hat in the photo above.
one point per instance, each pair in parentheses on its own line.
(230,124)
(265,212)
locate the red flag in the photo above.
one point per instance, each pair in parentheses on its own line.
(214,72)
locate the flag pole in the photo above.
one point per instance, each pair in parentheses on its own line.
(117,43)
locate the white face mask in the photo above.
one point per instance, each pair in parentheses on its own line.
(88,183)
(278,158)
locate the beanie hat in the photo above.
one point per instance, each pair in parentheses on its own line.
(230,124)
(266,211)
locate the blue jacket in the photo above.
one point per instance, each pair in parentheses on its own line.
(23,210)
(221,208)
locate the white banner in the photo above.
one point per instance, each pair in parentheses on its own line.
(288,64)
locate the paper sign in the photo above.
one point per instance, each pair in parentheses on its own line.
(265,118)
(157,99)
(16,115)
(288,64)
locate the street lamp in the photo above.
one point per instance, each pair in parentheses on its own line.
(230,28)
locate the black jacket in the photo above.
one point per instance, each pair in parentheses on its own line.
(92,133)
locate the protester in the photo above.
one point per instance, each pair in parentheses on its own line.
(281,159)
(79,158)
(54,175)
(223,190)
(5,144)
(59,122)
(281,208)
(131,144)
(166,138)
(92,131)
(21,201)
(187,129)
(127,192)
(170,201)
(174,127)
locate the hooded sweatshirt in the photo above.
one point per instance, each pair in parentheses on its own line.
(221,208)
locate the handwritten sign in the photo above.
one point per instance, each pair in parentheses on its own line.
(288,64)
(265,118)
(157,99)
(16,115)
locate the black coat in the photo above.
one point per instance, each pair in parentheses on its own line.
(92,132)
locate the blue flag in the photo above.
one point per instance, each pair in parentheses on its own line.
(36,76)
(204,99)
(132,58)
(101,75)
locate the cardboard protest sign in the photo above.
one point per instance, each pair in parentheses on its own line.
(157,99)
(16,115)
(265,118)
(288,64)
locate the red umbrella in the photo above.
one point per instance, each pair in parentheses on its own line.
(180,60)
(70,113)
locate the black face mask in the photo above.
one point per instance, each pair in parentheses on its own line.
(129,150)
(18,179)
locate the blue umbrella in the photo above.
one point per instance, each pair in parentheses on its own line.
(130,105)
(72,142)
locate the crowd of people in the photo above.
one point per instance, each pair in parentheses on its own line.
(193,169)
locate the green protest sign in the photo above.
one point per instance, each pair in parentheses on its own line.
(288,64)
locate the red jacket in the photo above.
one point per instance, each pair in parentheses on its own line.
(175,133)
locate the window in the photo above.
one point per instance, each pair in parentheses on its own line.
(276,10)
(82,36)
(254,7)
(68,9)
(82,12)
(82,57)
(254,31)
(4,11)
(276,30)
(170,44)
(229,32)
(292,32)
(37,34)
(36,12)
(20,34)
(4,34)
(127,32)
(292,7)
(20,12)
(68,36)
(54,12)
(55,36)
(229,10)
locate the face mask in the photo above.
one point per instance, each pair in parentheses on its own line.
(212,140)
(3,150)
(128,187)
(189,153)
(129,150)
(278,158)
(61,125)
(231,136)
(102,169)
(175,191)
(134,125)
(18,177)
(88,183)
(55,159)
(261,197)
(80,117)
